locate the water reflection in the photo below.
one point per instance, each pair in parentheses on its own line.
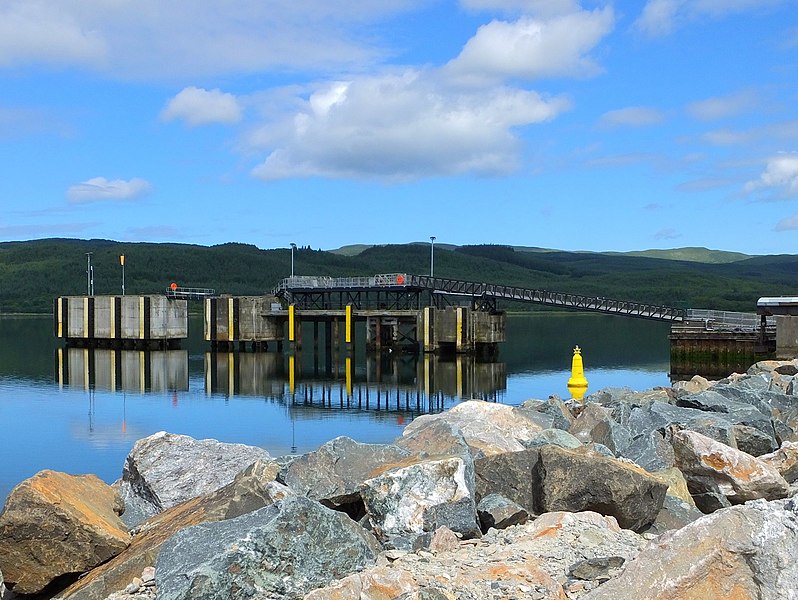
(379,382)
(123,370)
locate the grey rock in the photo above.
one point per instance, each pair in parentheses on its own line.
(785,460)
(651,451)
(333,473)
(661,417)
(556,437)
(551,413)
(166,469)
(405,503)
(753,441)
(436,439)
(674,514)
(609,396)
(745,551)
(498,512)
(281,551)
(596,569)
(594,424)
(511,475)
(577,481)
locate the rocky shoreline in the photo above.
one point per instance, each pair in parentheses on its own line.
(679,492)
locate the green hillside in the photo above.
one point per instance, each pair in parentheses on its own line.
(33,273)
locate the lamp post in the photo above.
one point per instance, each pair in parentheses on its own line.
(431,255)
(293,247)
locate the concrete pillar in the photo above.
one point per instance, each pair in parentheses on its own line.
(786,337)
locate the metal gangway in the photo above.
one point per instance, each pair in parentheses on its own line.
(483,294)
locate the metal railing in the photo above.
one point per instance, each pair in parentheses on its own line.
(723,320)
(188,293)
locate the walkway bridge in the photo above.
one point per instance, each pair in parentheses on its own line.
(402,291)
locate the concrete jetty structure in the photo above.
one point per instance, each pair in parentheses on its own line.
(140,322)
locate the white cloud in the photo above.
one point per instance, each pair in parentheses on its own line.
(186,39)
(41,31)
(667,233)
(401,126)
(787,224)
(531,48)
(99,189)
(780,177)
(661,17)
(632,116)
(197,106)
(721,107)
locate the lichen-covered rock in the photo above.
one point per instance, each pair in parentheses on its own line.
(575,481)
(784,460)
(407,502)
(281,551)
(743,552)
(55,524)
(715,472)
(533,560)
(693,386)
(488,428)
(166,469)
(334,472)
(252,489)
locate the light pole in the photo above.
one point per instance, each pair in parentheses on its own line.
(293,247)
(122,262)
(431,255)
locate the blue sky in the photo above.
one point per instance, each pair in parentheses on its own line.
(593,126)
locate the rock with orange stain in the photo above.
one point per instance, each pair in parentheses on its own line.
(785,460)
(717,474)
(739,553)
(56,524)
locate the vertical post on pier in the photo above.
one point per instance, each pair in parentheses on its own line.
(291,324)
(348,377)
(348,327)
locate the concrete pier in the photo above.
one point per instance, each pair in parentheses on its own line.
(121,321)
(243,319)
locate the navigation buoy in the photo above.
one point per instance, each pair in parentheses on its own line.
(577,384)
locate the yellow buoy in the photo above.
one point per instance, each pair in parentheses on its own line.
(577,384)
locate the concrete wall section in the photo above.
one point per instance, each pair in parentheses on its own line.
(786,337)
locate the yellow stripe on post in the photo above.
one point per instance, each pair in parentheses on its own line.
(207,320)
(141,320)
(291,381)
(60,307)
(348,377)
(86,317)
(348,333)
(291,316)
(230,324)
(459,330)
(60,368)
(426,329)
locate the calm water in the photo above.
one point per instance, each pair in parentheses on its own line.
(81,411)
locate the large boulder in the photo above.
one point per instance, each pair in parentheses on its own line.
(496,511)
(281,551)
(166,469)
(741,552)
(594,424)
(535,560)
(56,524)
(488,427)
(252,489)
(551,413)
(511,475)
(406,503)
(333,473)
(435,438)
(718,474)
(575,481)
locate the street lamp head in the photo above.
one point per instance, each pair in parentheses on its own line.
(293,245)
(432,239)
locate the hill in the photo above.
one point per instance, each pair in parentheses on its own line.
(33,273)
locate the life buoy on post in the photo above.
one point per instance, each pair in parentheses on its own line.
(400,279)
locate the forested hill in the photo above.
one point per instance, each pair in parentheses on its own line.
(33,273)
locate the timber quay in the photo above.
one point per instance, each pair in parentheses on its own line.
(397,311)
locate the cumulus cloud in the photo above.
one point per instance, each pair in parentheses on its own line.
(723,106)
(531,48)
(99,189)
(404,125)
(779,180)
(197,106)
(632,116)
(661,17)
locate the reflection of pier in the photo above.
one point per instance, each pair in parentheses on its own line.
(122,370)
(380,382)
